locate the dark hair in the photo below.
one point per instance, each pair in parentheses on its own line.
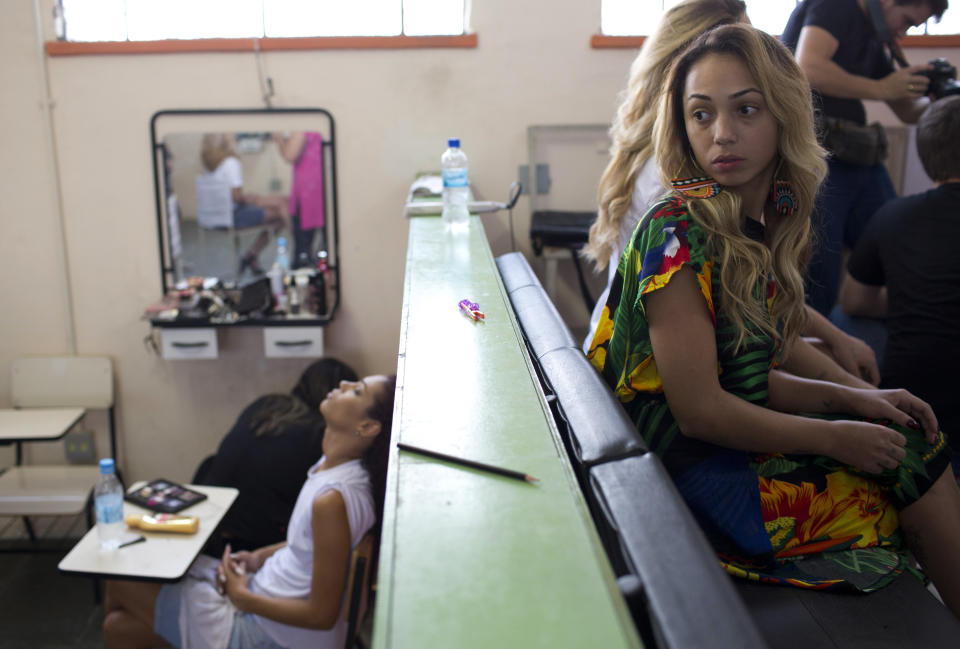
(938,139)
(302,405)
(936,6)
(376,456)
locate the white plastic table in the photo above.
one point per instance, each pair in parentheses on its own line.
(164,556)
(37,424)
(42,490)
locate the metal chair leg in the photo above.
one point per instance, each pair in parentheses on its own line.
(30,532)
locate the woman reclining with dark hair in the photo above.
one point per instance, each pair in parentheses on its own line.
(289,594)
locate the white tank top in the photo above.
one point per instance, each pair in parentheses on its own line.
(288,572)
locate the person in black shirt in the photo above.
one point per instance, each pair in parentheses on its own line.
(906,268)
(843,56)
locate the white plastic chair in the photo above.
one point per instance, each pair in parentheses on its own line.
(215,210)
(55,382)
(214,203)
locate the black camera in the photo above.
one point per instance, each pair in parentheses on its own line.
(943,79)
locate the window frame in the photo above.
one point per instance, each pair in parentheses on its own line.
(65,47)
(174,46)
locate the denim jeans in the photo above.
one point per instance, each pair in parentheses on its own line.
(848,199)
(872,331)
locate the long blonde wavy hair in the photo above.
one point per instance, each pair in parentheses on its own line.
(630,132)
(745,263)
(215,148)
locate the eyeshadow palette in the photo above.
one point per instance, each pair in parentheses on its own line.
(164,496)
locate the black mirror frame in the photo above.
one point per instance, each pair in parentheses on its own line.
(156,148)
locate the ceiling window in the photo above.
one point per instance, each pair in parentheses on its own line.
(150,20)
(640,17)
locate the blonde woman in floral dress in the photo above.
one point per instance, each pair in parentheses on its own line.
(700,341)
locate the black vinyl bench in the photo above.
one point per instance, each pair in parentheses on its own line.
(668,573)
(677,592)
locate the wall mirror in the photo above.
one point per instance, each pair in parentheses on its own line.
(236,188)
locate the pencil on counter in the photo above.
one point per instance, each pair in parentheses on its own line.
(470,463)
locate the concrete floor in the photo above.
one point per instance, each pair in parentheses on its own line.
(39,607)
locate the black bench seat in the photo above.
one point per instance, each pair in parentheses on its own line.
(670,577)
(904,614)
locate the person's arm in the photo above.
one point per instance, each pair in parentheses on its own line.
(901,89)
(290,146)
(232,170)
(863,291)
(910,109)
(805,360)
(331,556)
(854,356)
(684,348)
(857,298)
(252,561)
(792,393)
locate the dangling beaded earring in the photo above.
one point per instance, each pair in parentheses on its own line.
(784,199)
(697,187)
(782,194)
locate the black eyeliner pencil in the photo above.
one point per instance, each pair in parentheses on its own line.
(471,463)
(139,539)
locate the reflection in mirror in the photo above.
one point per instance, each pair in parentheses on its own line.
(244,195)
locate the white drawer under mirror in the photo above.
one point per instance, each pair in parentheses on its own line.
(189,343)
(292,342)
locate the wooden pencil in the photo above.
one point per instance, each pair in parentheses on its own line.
(470,463)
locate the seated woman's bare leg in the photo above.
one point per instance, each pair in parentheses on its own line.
(259,244)
(128,623)
(278,223)
(932,528)
(275,209)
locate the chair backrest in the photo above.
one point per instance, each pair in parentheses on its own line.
(62,381)
(358,586)
(214,203)
(515,271)
(599,427)
(543,327)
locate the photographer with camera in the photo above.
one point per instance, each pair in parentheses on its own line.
(842,47)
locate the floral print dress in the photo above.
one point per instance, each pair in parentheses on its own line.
(804,520)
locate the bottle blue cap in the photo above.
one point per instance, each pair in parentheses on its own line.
(106,465)
(454,142)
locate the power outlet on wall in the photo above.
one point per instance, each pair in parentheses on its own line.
(78,447)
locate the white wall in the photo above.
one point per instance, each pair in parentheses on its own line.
(393,108)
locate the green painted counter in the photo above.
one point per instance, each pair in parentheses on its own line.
(470,559)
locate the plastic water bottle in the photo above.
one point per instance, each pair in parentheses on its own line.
(283,257)
(108,502)
(456,185)
(276,275)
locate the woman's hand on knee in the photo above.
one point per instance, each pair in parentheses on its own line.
(899,406)
(233,577)
(868,447)
(250,561)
